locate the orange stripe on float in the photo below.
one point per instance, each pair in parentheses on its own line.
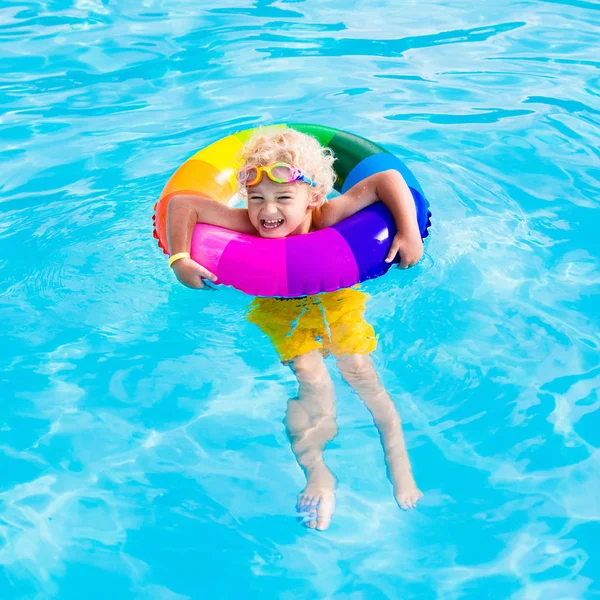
(193,177)
(199,176)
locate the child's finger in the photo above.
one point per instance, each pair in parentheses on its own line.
(392,253)
(208,285)
(405,263)
(206,274)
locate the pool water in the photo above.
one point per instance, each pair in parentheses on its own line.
(143,453)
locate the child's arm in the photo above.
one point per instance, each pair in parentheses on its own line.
(183,212)
(391,189)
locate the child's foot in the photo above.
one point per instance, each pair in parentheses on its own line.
(318,498)
(406,492)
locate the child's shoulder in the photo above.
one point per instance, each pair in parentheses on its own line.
(345,205)
(330,212)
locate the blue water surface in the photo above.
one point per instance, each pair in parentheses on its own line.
(143,453)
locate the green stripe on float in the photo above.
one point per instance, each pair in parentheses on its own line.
(349,150)
(322,133)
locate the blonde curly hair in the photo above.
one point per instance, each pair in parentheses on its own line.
(298,149)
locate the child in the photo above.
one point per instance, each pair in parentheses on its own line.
(286,176)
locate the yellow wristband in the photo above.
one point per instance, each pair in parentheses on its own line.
(177,256)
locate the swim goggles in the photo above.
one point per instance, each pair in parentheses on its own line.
(278,173)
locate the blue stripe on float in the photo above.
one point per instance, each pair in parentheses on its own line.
(377,163)
(423,212)
(369,234)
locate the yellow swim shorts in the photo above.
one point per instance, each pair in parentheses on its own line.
(331,322)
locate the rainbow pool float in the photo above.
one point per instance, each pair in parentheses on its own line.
(340,256)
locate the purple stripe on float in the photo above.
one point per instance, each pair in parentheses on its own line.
(319,262)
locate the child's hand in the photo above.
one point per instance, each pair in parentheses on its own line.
(410,247)
(190,273)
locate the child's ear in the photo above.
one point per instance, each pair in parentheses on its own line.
(316,200)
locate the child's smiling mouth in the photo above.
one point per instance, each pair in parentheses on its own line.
(271,224)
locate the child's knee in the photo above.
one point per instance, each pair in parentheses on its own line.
(310,368)
(298,421)
(357,368)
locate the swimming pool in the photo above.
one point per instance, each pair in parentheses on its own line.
(142,448)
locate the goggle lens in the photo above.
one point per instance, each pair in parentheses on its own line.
(278,173)
(247,176)
(282,174)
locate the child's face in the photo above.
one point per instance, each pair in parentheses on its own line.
(277,210)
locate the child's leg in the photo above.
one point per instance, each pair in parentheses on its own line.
(359,372)
(310,421)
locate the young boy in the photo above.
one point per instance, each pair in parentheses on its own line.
(286,176)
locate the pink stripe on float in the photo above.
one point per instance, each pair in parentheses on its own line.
(255,265)
(252,264)
(208,244)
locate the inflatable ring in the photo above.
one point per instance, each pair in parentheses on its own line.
(322,261)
